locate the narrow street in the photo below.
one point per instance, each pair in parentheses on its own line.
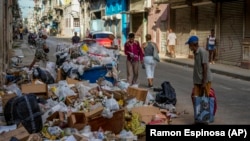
(232,94)
(36,105)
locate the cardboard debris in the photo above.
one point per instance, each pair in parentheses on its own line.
(72,81)
(34,88)
(77,120)
(59,75)
(6,98)
(58,115)
(20,133)
(118,94)
(70,99)
(146,113)
(94,113)
(114,124)
(139,93)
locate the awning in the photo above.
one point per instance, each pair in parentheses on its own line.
(188,2)
(133,11)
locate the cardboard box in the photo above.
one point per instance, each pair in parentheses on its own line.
(57,115)
(20,133)
(70,99)
(118,94)
(59,75)
(146,113)
(77,120)
(94,113)
(114,124)
(72,81)
(6,98)
(34,88)
(139,93)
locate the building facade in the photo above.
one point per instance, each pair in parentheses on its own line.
(230,19)
(115,20)
(9,19)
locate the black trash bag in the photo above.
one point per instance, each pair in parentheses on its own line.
(44,75)
(167,95)
(61,58)
(14,139)
(24,109)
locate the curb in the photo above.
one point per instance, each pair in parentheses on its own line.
(222,72)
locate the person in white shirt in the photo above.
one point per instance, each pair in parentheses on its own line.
(211,42)
(171,42)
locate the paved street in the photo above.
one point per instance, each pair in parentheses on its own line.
(232,94)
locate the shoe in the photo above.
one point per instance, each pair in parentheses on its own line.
(213,62)
(150,86)
(210,62)
(157,89)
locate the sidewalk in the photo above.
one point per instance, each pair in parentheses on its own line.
(228,70)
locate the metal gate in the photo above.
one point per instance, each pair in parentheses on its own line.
(182,29)
(137,26)
(163,36)
(206,22)
(230,50)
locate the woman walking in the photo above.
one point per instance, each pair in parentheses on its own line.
(150,63)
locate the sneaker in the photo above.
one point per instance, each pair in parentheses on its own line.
(157,89)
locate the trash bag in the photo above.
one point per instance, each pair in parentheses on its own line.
(167,94)
(24,109)
(43,75)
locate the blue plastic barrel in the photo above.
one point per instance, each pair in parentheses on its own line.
(93,74)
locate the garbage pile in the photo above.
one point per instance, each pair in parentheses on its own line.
(82,106)
(77,59)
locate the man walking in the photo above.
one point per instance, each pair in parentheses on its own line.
(41,51)
(134,54)
(75,39)
(21,33)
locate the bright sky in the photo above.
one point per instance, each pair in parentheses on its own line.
(26,6)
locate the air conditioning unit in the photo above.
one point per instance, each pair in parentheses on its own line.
(147,4)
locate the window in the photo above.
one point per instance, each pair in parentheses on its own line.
(76,22)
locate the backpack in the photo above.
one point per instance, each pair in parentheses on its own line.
(24,109)
(167,94)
